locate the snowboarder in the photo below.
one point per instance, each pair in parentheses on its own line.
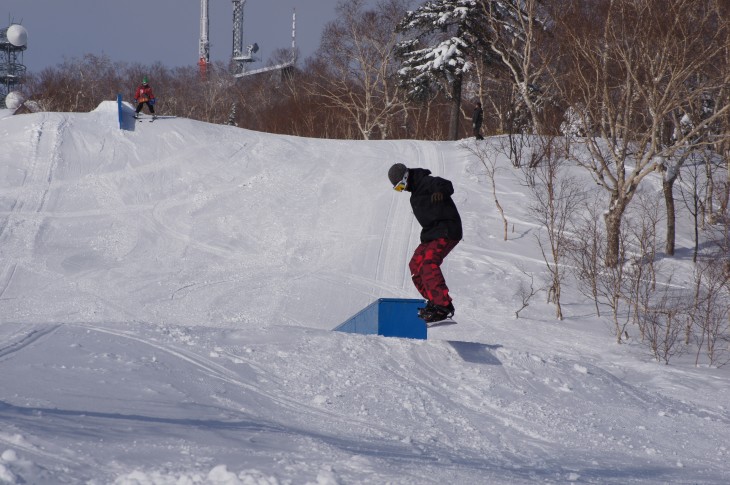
(144,95)
(441,231)
(476,120)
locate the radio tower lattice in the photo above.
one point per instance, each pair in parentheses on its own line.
(13,41)
(238,27)
(239,58)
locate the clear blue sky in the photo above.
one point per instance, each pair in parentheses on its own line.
(148,31)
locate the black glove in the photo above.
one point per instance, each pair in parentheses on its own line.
(437,197)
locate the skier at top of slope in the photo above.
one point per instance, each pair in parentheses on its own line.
(441,231)
(144,95)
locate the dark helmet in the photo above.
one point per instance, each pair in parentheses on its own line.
(396,173)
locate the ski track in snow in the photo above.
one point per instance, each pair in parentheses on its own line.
(430,383)
(166,296)
(26,340)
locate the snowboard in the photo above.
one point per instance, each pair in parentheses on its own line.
(149,118)
(441,323)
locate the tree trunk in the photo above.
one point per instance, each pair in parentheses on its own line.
(455,118)
(668,189)
(725,191)
(613,231)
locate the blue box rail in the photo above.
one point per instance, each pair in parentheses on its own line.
(119,110)
(389,317)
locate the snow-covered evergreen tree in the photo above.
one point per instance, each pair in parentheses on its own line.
(232,115)
(442,35)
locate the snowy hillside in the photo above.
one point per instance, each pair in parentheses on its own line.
(167,295)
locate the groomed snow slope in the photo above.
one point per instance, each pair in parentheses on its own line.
(166,300)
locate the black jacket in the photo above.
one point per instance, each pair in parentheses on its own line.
(438,219)
(478,116)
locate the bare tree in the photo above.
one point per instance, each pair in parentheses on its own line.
(711,312)
(496,92)
(360,78)
(641,273)
(692,191)
(611,287)
(586,249)
(525,294)
(489,158)
(662,323)
(630,82)
(79,84)
(556,196)
(516,30)
(643,234)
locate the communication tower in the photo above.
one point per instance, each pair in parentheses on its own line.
(204,45)
(240,58)
(13,41)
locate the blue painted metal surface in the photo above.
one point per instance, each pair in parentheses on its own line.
(119,109)
(389,317)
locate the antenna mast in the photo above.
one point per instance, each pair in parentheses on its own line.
(294,33)
(237,53)
(240,61)
(204,46)
(240,58)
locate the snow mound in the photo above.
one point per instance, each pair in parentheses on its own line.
(106,107)
(167,295)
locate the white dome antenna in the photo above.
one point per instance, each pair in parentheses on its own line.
(17,35)
(14,100)
(13,41)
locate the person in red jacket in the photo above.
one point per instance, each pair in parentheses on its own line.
(144,95)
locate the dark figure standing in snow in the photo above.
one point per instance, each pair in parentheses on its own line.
(476,121)
(144,95)
(437,214)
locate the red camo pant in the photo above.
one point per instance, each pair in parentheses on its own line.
(426,272)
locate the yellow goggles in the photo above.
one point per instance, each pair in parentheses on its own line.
(401,186)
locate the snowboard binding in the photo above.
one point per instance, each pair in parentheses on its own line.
(435,313)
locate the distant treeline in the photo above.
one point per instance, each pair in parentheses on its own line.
(407,69)
(283,102)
